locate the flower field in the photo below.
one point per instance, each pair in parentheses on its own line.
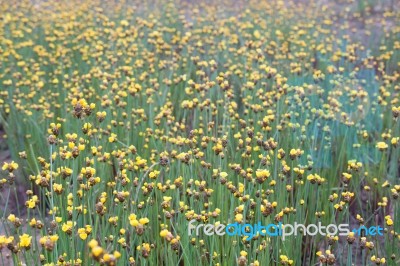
(127,120)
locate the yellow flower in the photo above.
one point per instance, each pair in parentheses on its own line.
(10,166)
(382,146)
(144,246)
(101,116)
(48,242)
(12,218)
(154,174)
(2,240)
(285,260)
(93,243)
(67,227)
(33,222)
(25,241)
(117,254)
(395,141)
(71,145)
(31,204)
(223,174)
(262,173)
(389,220)
(5,240)
(134,222)
(144,221)
(164,233)
(97,251)
(239,217)
(82,233)
(58,188)
(112,138)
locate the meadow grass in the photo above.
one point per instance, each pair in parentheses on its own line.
(126,120)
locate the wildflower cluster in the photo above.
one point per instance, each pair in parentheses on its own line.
(125,120)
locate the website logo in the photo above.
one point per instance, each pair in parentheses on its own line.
(279,230)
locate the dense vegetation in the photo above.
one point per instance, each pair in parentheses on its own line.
(127,120)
